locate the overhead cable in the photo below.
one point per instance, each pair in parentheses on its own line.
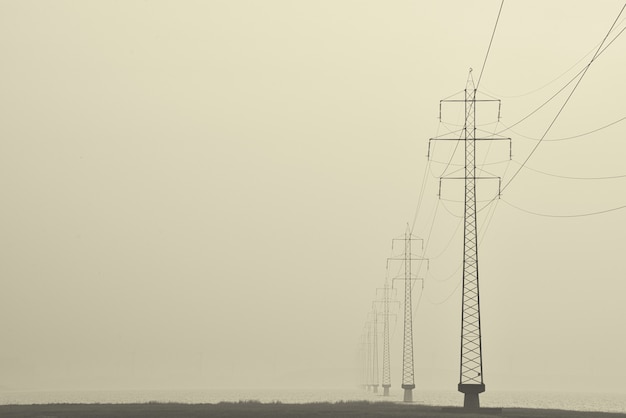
(568,97)
(571,177)
(579,215)
(551,81)
(569,137)
(584,69)
(489,47)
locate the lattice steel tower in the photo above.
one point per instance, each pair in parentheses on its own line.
(374,342)
(408,375)
(471,382)
(471,377)
(369,371)
(386,354)
(386,305)
(362,360)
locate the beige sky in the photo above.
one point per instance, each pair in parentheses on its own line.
(203,193)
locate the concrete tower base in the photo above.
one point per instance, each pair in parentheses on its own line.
(471,392)
(386,390)
(408,392)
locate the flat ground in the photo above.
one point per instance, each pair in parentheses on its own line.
(256,410)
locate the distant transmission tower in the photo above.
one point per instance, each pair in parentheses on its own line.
(386,302)
(374,342)
(471,382)
(386,355)
(368,357)
(362,360)
(408,373)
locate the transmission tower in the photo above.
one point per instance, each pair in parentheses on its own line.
(386,355)
(375,369)
(362,361)
(367,366)
(471,381)
(386,303)
(408,373)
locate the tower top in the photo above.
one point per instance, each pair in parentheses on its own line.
(470,81)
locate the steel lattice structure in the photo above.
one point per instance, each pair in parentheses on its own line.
(471,377)
(386,354)
(362,360)
(368,356)
(408,375)
(375,377)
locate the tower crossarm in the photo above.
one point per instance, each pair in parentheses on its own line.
(410,258)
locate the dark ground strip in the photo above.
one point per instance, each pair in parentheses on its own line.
(256,410)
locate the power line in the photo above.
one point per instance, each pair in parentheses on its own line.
(445,248)
(553,80)
(570,177)
(447,298)
(567,99)
(580,215)
(569,137)
(421,195)
(422,187)
(566,84)
(449,163)
(489,47)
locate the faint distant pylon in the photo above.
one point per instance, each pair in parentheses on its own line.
(373,342)
(408,371)
(386,303)
(362,361)
(386,355)
(371,361)
(367,366)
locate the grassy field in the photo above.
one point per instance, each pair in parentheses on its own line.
(257,409)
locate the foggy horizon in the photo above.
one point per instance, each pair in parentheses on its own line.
(203,194)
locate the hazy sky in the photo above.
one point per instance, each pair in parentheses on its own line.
(204,193)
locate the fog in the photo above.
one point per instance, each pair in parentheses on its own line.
(203,193)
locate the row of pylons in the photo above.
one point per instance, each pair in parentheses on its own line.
(380,315)
(471,382)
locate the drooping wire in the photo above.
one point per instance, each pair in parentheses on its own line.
(571,177)
(445,248)
(429,169)
(449,211)
(595,56)
(569,137)
(447,298)
(579,215)
(422,188)
(566,84)
(449,163)
(554,79)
